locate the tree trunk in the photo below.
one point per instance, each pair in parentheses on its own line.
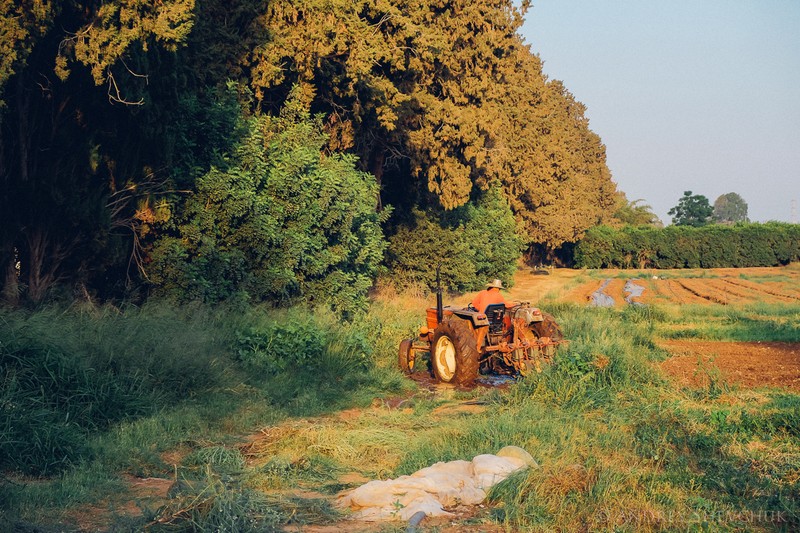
(8,271)
(43,260)
(376,159)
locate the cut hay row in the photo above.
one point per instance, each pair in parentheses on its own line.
(700,289)
(761,288)
(733,294)
(683,295)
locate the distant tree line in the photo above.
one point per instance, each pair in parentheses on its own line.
(711,246)
(278,151)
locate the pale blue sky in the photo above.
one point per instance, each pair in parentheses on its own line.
(687,95)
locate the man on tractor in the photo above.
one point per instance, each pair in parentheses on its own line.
(489,296)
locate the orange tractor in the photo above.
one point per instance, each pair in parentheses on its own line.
(463,342)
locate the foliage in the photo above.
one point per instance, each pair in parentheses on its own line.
(692,210)
(283,222)
(95,36)
(414,99)
(471,245)
(69,218)
(633,213)
(145,377)
(618,446)
(730,208)
(287,346)
(439,103)
(21,24)
(711,246)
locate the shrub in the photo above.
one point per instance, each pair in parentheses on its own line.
(474,243)
(284,222)
(299,343)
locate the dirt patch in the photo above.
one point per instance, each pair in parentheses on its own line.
(779,291)
(748,364)
(148,492)
(677,293)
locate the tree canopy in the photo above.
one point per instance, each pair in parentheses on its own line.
(692,210)
(729,208)
(124,122)
(633,212)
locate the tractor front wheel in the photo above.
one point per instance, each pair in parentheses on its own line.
(454,355)
(405,357)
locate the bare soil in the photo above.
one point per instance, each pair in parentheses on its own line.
(582,294)
(747,364)
(720,286)
(616,290)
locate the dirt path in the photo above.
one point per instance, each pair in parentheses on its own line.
(748,364)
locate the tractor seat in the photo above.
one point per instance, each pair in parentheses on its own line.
(495,313)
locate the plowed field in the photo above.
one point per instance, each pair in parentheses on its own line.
(747,364)
(724,286)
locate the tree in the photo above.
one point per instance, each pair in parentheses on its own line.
(633,212)
(692,210)
(729,209)
(439,100)
(473,243)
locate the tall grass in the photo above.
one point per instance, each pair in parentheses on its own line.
(69,374)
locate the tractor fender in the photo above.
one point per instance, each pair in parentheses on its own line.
(476,318)
(528,314)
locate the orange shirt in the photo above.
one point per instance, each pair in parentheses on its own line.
(486,298)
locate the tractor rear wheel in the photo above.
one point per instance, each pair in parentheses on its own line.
(454,354)
(405,357)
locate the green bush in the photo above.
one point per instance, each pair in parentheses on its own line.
(283,222)
(713,246)
(473,244)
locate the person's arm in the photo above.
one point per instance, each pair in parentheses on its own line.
(477,301)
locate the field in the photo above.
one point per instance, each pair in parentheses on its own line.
(751,364)
(681,414)
(723,286)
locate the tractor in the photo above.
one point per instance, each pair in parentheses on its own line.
(462,342)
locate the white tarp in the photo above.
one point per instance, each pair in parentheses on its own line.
(432,489)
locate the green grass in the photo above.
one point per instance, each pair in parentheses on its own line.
(619,447)
(754,322)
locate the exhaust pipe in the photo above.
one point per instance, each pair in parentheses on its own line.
(439,307)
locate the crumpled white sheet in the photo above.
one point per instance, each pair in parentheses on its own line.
(432,489)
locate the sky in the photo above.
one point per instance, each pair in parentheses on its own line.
(687,95)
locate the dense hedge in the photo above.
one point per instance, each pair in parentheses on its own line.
(742,245)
